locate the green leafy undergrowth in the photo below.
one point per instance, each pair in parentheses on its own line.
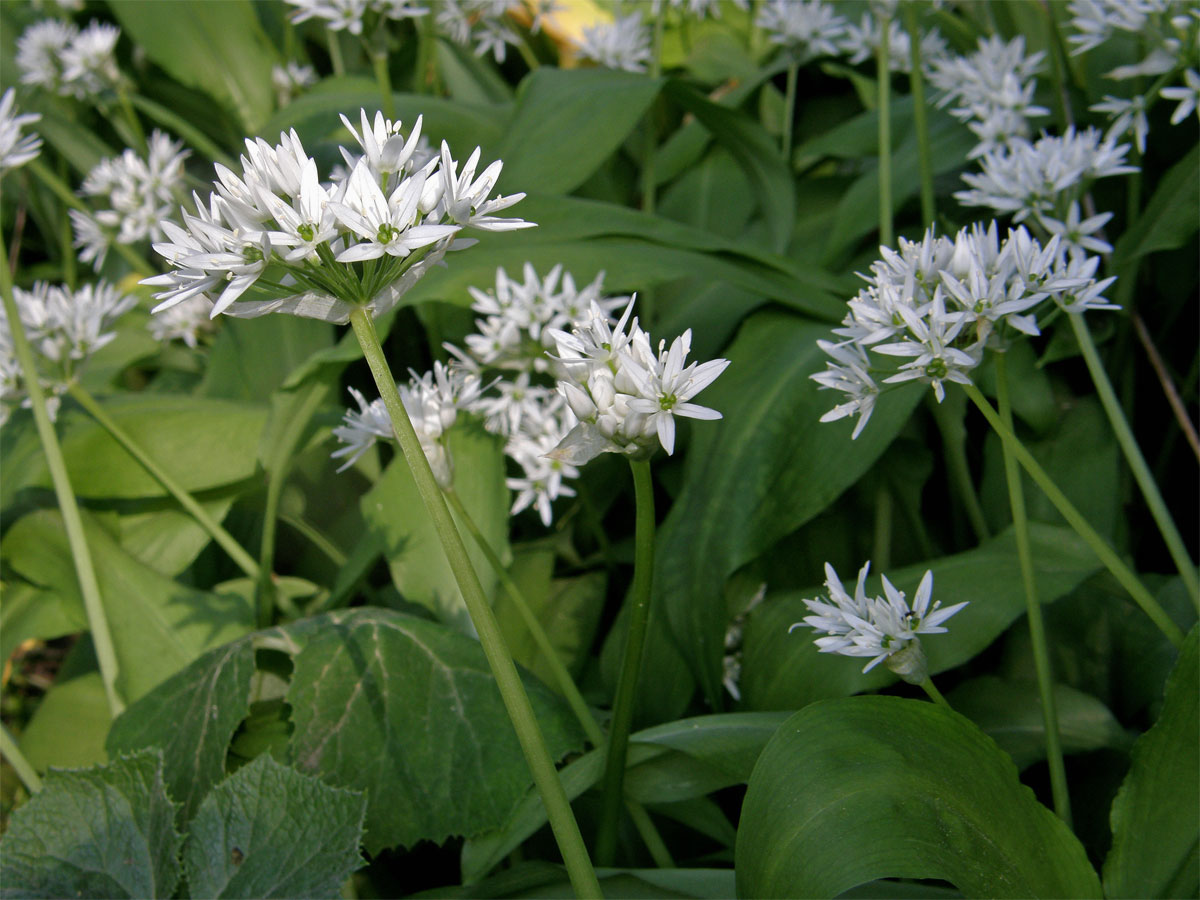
(403,709)
(109,831)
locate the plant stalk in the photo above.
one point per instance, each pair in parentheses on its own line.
(516,701)
(916,82)
(884,75)
(631,665)
(933,693)
(566,684)
(379,62)
(227,542)
(1033,607)
(954,437)
(1137,462)
(10,751)
(789,112)
(1100,547)
(89,586)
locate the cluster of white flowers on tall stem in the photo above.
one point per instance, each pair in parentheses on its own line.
(139,193)
(64,328)
(621,44)
(321,250)
(61,58)
(16,149)
(883,628)
(940,303)
(990,90)
(625,394)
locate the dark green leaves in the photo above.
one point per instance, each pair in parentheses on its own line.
(101,832)
(753,477)
(873,787)
(269,831)
(1156,814)
(403,709)
(566,123)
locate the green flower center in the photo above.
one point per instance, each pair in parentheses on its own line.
(936,369)
(307,231)
(387,233)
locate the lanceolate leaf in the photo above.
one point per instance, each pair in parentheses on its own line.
(863,788)
(1169,219)
(566,123)
(756,475)
(108,831)
(268,831)
(1156,814)
(214,45)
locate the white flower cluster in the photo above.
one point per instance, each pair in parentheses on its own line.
(861,41)
(321,250)
(518,317)
(807,28)
(992,90)
(621,44)
(624,394)
(484,23)
(884,628)
(1167,29)
(349,15)
(60,58)
(140,194)
(16,149)
(290,80)
(186,321)
(432,402)
(1044,180)
(938,301)
(697,9)
(64,328)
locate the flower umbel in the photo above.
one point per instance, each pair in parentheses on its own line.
(883,628)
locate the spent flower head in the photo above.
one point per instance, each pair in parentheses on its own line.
(884,628)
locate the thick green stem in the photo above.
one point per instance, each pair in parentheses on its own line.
(425,76)
(933,693)
(333,39)
(881,542)
(631,665)
(916,81)
(10,751)
(516,701)
(227,542)
(67,196)
(135,124)
(1033,608)
(89,587)
(884,75)
(789,112)
(1075,519)
(566,684)
(1137,462)
(948,417)
(650,146)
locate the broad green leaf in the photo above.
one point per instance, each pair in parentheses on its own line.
(166,538)
(665,684)
(1156,815)
(782,670)
(315,116)
(756,153)
(217,46)
(268,831)
(636,250)
(1169,219)
(201,443)
(27,611)
(728,744)
(394,511)
(401,708)
(1010,713)
(158,625)
(714,195)
(862,788)
(251,358)
(408,711)
(107,831)
(751,478)
(469,78)
(568,609)
(191,717)
(567,122)
(70,725)
(536,878)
